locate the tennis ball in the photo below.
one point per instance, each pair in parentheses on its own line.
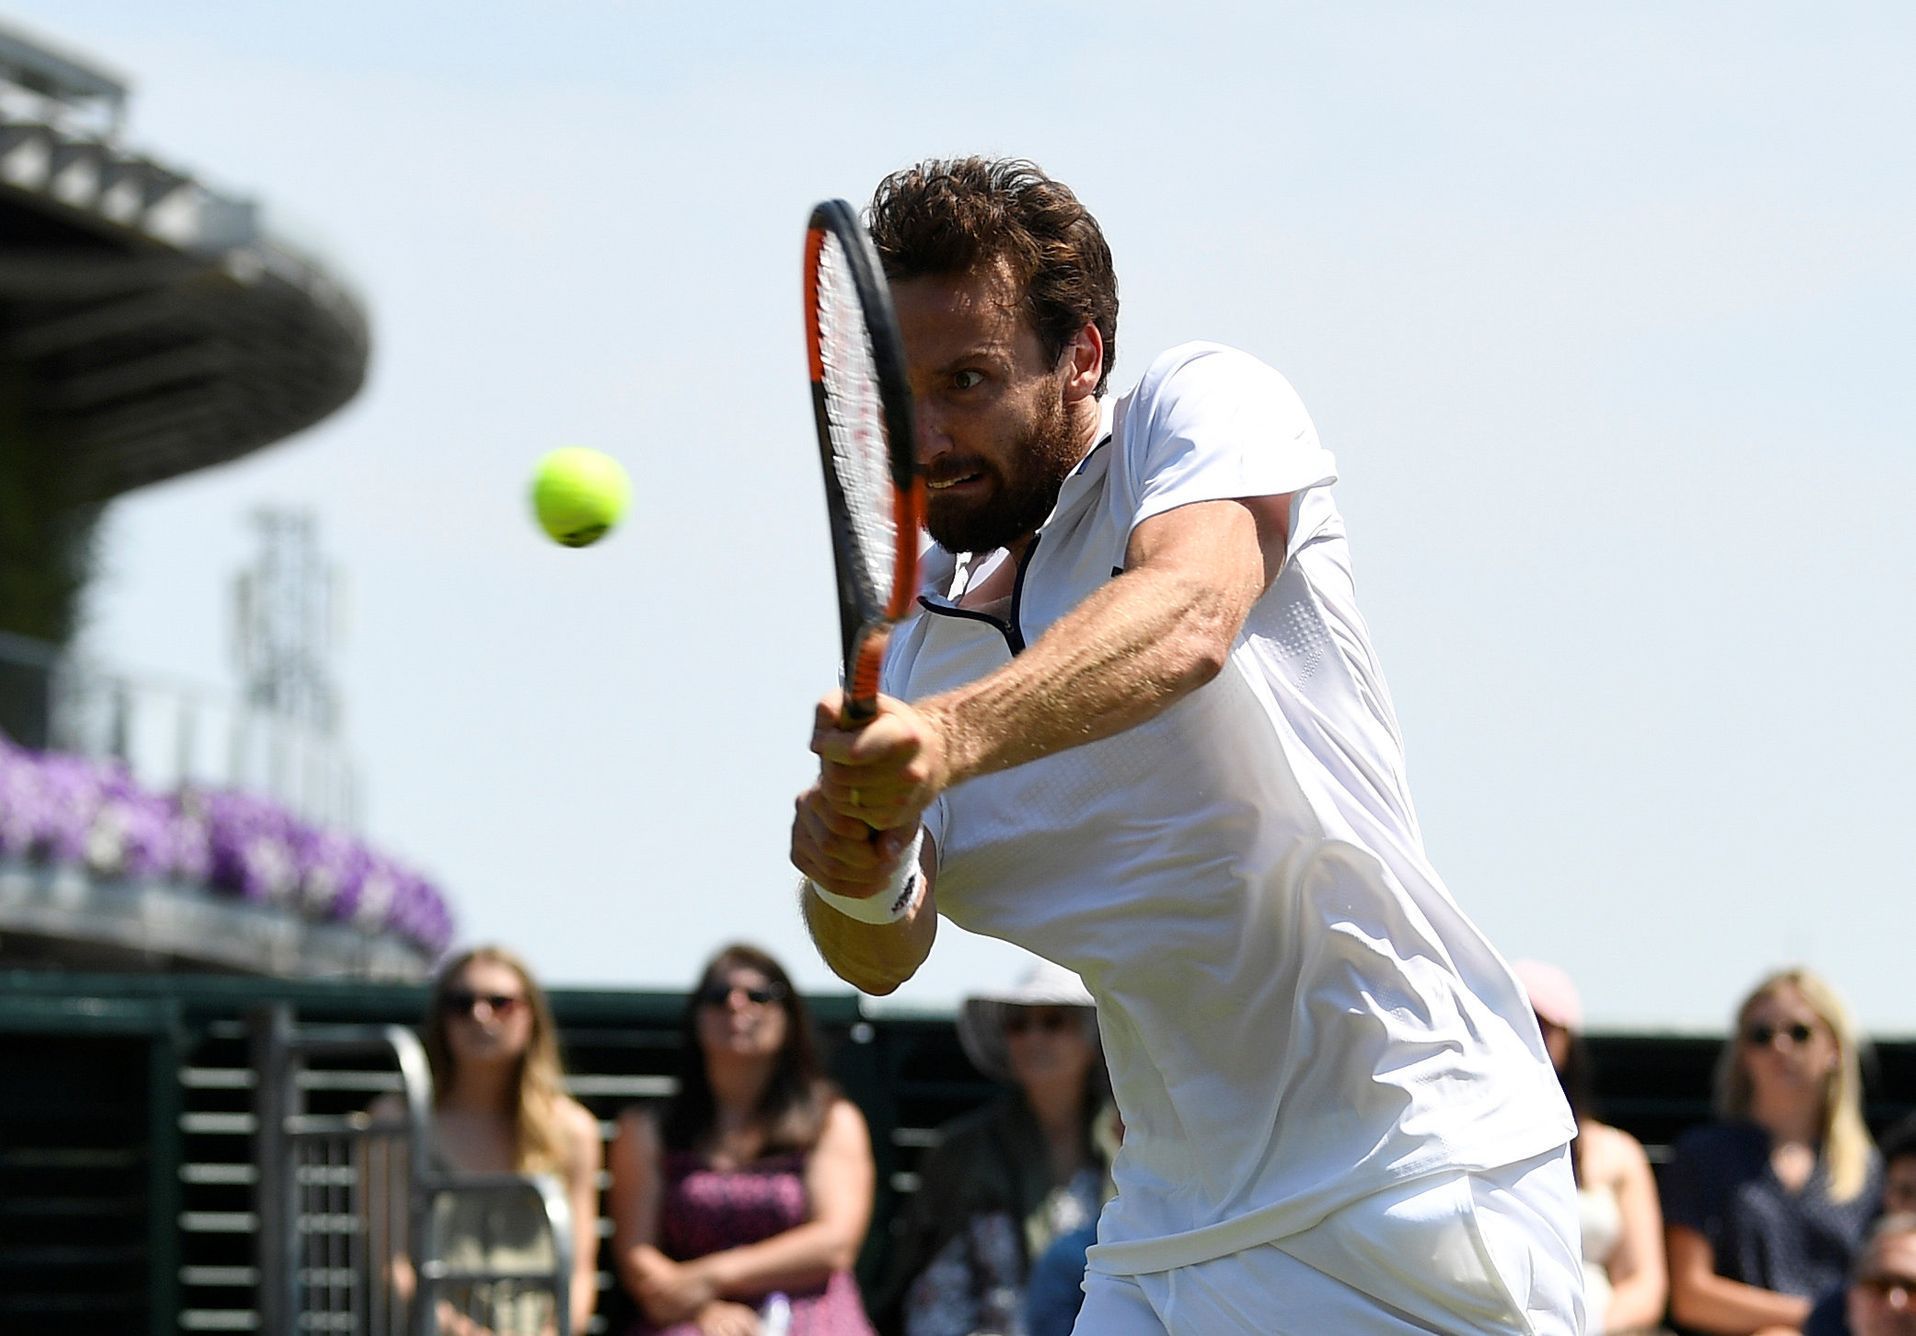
(578,494)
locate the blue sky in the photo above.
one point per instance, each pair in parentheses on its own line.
(1606,312)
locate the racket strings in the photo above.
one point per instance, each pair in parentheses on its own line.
(855,418)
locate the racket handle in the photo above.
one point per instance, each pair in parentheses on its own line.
(858,712)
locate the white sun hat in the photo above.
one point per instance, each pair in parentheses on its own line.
(981,1020)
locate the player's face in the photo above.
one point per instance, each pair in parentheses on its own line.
(995,438)
(741,1014)
(487,1016)
(1786,1047)
(1882,1299)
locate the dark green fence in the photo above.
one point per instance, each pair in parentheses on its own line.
(127,1170)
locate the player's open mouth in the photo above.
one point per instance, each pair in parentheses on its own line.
(940,484)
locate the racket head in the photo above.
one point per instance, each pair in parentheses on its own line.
(861,406)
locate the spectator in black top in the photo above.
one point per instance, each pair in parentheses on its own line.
(1766,1208)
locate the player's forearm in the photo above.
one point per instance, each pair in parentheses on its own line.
(1134,648)
(872,957)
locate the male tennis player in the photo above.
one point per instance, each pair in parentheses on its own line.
(1137,727)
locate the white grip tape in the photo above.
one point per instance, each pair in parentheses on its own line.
(889,905)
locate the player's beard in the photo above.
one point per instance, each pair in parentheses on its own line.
(1024,491)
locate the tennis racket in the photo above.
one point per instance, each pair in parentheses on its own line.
(862,408)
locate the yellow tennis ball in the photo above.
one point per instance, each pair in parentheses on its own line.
(578,494)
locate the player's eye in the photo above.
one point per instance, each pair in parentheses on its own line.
(967,380)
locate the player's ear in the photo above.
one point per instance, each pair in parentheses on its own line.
(1083,363)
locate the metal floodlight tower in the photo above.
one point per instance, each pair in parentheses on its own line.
(286,619)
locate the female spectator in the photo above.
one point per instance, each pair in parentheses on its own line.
(1009,1181)
(499,1106)
(756,1179)
(1767,1207)
(1625,1285)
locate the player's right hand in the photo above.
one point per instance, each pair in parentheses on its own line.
(840,853)
(884,772)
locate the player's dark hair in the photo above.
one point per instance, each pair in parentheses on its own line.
(956,215)
(791,1112)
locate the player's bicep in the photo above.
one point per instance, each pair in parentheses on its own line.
(1236,544)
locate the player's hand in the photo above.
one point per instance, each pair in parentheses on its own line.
(841,853)
(884,774)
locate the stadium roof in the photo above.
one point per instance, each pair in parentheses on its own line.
(151,324)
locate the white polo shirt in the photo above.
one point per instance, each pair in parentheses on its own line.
(1294,1010)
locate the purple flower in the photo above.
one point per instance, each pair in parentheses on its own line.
(91,813)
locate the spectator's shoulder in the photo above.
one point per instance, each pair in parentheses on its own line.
(1612,1150)
(577,1120)
(844,1117)
(1725,1144)
(637,1128)
(986,1123)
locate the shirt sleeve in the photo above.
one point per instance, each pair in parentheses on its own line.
(1218,424)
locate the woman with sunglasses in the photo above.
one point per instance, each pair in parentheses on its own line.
(499,1106)
(750,1192)
(1767,1208)
(1009,1181)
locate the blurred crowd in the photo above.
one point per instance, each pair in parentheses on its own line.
(739,1204)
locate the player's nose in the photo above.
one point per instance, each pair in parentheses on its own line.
(934,435)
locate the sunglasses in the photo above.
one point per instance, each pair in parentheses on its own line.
(1022,1019)
(759,995)
(1897,1291)
(1763,1034)
(464,1002)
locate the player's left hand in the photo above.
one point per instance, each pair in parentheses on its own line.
(841,853)
(884,774)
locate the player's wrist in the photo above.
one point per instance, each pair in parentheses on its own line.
(948,745)
(896,900)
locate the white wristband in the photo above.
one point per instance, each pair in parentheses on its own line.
(898,899)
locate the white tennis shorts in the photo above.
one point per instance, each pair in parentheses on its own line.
(1463,1254)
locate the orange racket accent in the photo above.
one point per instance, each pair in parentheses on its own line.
(911,518)
(814,242)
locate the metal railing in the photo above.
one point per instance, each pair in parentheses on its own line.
(361,1231)
(170,733)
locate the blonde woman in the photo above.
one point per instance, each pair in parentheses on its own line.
(499,1106)
(1767,1208)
